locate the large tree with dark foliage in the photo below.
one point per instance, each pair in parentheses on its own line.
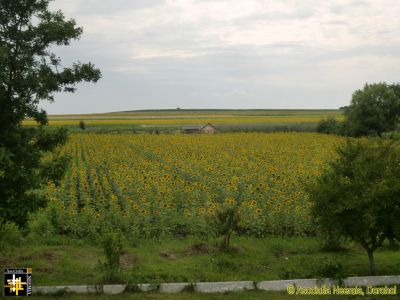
(373,110)
(358,196)
(29,74)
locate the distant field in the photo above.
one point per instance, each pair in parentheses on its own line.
(173,121)
(192,117)
(216,112)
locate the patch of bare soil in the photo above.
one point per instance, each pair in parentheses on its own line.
(168,255)
(281,253)
(198,249)
(46,270)
(26,257)
(128,260)
(50,256)
(7,262)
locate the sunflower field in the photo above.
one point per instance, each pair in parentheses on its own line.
(171,185)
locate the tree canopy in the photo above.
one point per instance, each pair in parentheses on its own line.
(373,110)
(358,196)
(30,73)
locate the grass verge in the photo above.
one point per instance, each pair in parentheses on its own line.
(72,262)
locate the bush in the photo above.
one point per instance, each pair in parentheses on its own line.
(226,221)
(392,244)
(330,126)
(223,264)
(10,235)
(330,268)
(331,241)
(82,125)
(288,271)
(40,227)
(112,245)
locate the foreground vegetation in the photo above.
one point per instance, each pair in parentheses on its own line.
(251,295)
(62,261)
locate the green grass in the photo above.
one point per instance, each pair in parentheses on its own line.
(194,260)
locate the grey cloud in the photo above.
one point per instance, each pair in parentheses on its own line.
(106,7)
(282,74)
(348,6)
(336,23)
(242,77)
(299,14)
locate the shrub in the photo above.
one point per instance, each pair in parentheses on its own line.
(330,126)
(82,125)
(331,241)
(226,221)
(112,245)
(288,271)
(10,235)
(40,227)
(223,264)
(330,268)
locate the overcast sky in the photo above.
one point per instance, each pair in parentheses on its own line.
(229,53)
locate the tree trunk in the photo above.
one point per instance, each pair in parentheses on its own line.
(225,242)
(228,237)
(371,262)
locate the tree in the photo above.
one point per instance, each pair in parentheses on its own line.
(226,221)
(30,73)
(82,125)
(330,125)
(358,196)
(396,88)
(373,110)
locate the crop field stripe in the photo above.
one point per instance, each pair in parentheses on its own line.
(185,121)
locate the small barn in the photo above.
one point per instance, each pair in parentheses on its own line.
(208,128)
